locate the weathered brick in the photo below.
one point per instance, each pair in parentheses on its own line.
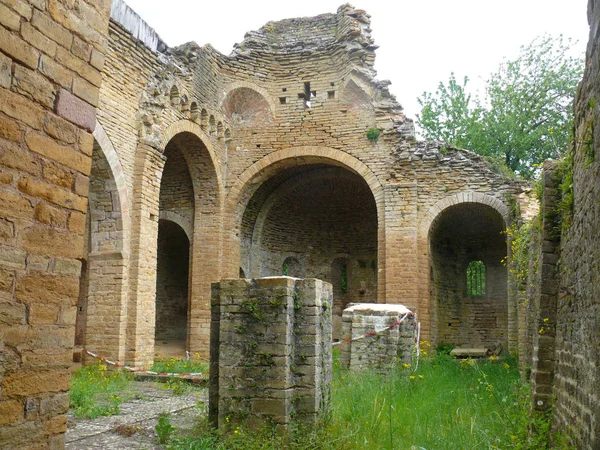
(5,71)
(81,49)
(53,242)
(6,178)
(20,108)
(26,384)
(34,86)
(47,289)
(52,29)
(86,142)
(61,153)
(18,49)
(77,222)
(17,158)
(55,71)
(57,175)
(76,110)
(12,258)
(13,313)
(51,193)
(13,205)
(9,18)
(54,405)
(20,6)
(97,59)
(81,185)
(7,278)
(38,40)
(11,412)
(50,215)
(9,129)
(80,67)
(60,129)
(43,314)
(56,425)
(7,229)
(86,91)
(71,267)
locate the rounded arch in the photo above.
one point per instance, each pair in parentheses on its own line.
(112,158)
(253,177)
(179,220)
(246,85)
(462,197)
(187,126)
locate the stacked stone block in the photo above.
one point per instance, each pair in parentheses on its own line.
(270,351)
(51,58)
(382,350)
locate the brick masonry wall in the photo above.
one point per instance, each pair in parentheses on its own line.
(577,378)
(51,58)
(255,120)
(270,351)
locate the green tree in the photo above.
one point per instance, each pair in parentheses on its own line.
(526,116)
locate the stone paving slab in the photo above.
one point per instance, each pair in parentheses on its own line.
(137,418)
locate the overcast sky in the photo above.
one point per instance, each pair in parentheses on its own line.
(421,41)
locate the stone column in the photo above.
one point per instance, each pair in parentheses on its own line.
(144,242)
(270,351)
(543,357)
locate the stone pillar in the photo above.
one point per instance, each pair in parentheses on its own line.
(144,243)
(543,357)
(51,58)
(270,357)
(106,317)
(383,350)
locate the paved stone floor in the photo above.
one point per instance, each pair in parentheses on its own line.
(137,419)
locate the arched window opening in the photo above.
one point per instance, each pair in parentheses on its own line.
(476,279)
(174,95)
(290,267)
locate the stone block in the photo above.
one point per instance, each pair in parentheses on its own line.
(18,49)
(47,289)
(17,158)
(11,412)
(60,129)
(20,108)
(40,314)
(52,29)
(50,215)
(26,384)
(5,71)
(53,242)
(75,110)
(63,154)
(33,85)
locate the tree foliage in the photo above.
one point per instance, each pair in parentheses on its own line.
(526,115)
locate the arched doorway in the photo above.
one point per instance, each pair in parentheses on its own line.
(176,202)
(468,278)
(302,218)
(172,290)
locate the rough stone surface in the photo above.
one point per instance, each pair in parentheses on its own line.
(40,155)
(383,350)
(270,351)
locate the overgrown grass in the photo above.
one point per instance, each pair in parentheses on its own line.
(180,365)
(445,404)
(97,392)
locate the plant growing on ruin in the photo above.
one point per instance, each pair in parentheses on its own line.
(164,429)
(373,134)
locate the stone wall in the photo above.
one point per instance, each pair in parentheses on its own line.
(51,60)
(280,169)
(271,355)
(383,350)
(577,378)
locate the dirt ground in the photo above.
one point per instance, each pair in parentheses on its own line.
(133,428)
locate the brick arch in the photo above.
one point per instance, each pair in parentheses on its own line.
(426,306)
(179,220)
(244,84)
(187,126)
(462,197)
(253,177)
(106,147)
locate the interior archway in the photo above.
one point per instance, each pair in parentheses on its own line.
(306,216)
(468,279)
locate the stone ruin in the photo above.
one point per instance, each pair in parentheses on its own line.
(134,175)
(383,350)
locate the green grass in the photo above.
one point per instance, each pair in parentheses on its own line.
(445,404)
(180,366)
(97,392)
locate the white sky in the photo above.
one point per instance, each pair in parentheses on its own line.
(421,41)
